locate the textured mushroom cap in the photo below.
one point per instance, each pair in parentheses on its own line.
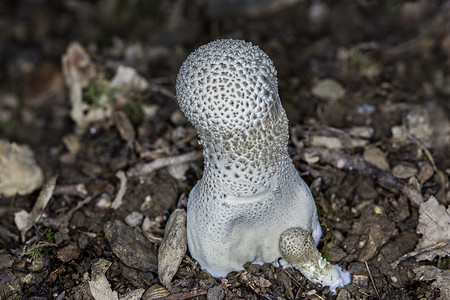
(228,90)
(230,85)
(250,192)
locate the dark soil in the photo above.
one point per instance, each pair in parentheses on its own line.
(371,156)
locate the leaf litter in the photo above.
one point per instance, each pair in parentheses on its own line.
(373,144)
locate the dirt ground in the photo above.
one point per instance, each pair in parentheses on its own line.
(87,95)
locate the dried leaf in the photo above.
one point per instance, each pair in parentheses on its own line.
(19,173)
(132,295)
(124,127)
(434,225)
(173,247)
(440,277)
(122,189)
(99,285)
(128,80)
(25,220)
(376,157)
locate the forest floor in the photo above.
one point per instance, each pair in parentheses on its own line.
(95,154)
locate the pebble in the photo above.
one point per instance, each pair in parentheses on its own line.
(328,89)
(134,219)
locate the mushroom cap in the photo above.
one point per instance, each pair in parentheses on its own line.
(229,87)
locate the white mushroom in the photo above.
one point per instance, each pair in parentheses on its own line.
(251,195)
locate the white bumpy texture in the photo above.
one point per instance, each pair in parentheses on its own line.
(250,192)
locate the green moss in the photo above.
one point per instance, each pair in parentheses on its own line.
(134,112)
(36,251)
(97,87)
(188,187)
(393,7)
(444,263)
(8,128)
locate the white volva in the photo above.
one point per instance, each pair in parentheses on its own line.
(251,196)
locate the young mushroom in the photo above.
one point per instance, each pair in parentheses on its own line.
(251,204)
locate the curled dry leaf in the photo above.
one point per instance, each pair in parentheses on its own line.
(124,127)
(122,189)
(25,220)
(99,285)
(19,173)
(173,246)
(434,225)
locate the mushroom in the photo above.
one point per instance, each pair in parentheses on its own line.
(251,204)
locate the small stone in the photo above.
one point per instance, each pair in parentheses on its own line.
(130,246)
(134,219)
(404,171)
(398,133)
(360,280)
(335,253)
(328,89)
(343,295)
(68,253)
(326,141)
(216,293)
(376,157)
(418,125)
(425,172)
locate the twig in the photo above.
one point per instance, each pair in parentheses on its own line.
(159,163)
(71,190)
(62,222)
(122,190)
(181,296)
(419,251)
(371,279)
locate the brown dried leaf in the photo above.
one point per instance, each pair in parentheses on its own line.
(173,247)
(19,173)
(124,127)
(434,225)
(25,220)
(128,80)
(99,285)
(440,277)
(376,157)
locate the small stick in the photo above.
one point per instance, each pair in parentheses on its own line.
(371,279)
(419,251)
(122,189)
(181,296)
(71,190)
(159,163)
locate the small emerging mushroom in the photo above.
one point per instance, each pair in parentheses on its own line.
(251,204)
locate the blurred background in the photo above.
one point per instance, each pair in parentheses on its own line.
(376,50)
